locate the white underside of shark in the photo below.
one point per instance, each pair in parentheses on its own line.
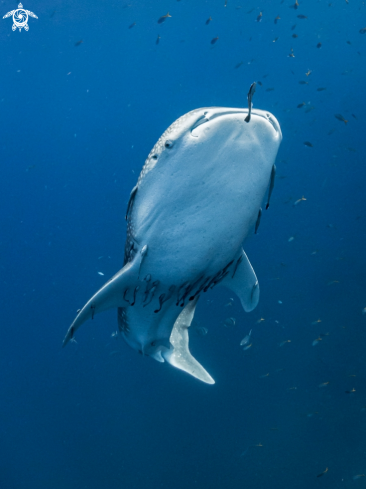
(197,198)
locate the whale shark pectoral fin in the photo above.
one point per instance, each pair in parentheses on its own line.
(179,356)
(243,282)
(111,295)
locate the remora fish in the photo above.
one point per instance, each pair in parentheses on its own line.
(196,200)
(250,98)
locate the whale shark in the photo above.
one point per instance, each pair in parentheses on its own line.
(197,198)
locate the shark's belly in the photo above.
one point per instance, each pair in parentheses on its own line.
(194,232)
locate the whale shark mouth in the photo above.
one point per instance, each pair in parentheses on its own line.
(208,117)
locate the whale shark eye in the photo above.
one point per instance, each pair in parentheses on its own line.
(168,143)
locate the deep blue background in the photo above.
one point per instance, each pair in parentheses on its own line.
(76,124)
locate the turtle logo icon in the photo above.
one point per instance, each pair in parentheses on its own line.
(20,18)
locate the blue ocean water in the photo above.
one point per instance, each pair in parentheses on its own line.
(84,96)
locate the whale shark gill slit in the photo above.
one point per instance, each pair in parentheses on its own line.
(130,201)
(238,261)
(271,184)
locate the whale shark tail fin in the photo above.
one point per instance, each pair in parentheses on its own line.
(243,282)
(179,356)
(118,291)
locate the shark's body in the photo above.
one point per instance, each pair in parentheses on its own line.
(197,198)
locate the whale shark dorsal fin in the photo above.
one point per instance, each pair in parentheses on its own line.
(243,282)
(111,295)
(179,356)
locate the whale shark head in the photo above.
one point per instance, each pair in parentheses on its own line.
(207,129)
(198,196)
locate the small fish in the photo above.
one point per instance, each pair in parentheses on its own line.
(295,6)
(101,273)
(264,376)
(163,18)
(157,39)
(201,331)
(262,319)
(308,73)
(215,39)
(79,42)
(349,42)
(299,200)
(358,476)
(351,391)
(301,105)
(229,322)
(293,27)
(259,18)
(301,16)
(250,98)
(239,65)
(302,82)
(353,115)
(208,20)
(284,342)
(315,342)
(324,472)
(260,83)
(307,143)
(320,89)
(269,89)
(291,55)
(132,25)
(275,39)
(277,19)
(324,384)
(316,322)
(309,109)
(114,334)
(295,36)
(364,311)
(247,347)
(319,45)
(340,118)
(363,31)
(291,239)
(246,339)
